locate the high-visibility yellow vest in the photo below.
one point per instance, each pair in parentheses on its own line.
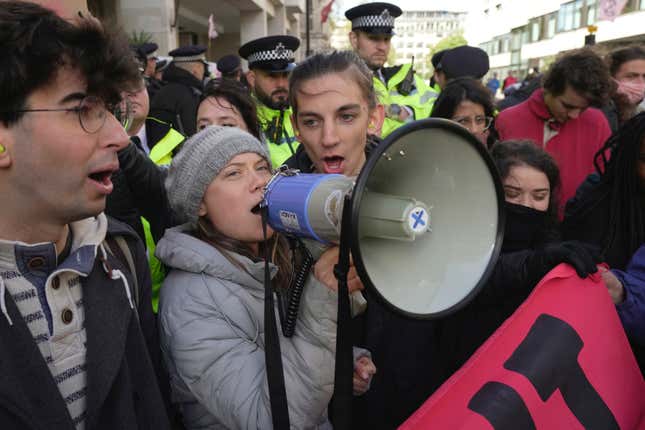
(285,145)
(420,99)
(161,154)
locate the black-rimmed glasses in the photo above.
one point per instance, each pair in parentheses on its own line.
(92,113)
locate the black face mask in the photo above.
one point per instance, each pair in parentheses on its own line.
(525,227)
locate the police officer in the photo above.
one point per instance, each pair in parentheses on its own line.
(175,104)
(462,61)
(146,55)
(230,66)
(270,61)
(436,61)
(160,67)
(405,95)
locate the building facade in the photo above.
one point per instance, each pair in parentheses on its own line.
(415,32)
(171,23)
(519,35)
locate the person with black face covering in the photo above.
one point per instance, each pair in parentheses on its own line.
(531,248)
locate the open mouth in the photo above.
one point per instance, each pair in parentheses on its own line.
(333,164)
(103,180)
(256,209)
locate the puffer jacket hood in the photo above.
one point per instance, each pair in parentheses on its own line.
(179,249)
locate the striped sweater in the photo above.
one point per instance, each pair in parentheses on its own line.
(49,297)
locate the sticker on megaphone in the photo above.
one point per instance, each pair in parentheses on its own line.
(311,205)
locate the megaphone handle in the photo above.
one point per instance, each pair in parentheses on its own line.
(342,404)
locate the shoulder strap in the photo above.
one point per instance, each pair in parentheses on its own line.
(118,247)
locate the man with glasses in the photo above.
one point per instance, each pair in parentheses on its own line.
(560,118)
(76,324)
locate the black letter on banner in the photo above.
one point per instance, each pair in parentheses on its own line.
(548,357)
(502,406)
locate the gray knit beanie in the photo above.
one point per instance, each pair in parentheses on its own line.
(201,158)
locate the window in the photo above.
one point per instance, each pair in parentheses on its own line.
(550,25)
(642,5)
(506,43)
(577,14)
(526,35)
(564,18)
(515,58)
(632,6)
(535,31)
(592,10)
(516,42)
(570,16)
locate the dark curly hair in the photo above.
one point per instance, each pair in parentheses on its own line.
(238,96)
(510,153)
(583,71)
(36,44)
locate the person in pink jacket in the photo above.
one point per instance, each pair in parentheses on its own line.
(560,117)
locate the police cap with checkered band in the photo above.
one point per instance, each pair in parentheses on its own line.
(188,54)
(375,18)
(272,53)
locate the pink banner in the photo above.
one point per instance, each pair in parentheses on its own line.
(610,9)
(560,361)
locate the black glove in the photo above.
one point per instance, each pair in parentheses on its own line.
(582,256)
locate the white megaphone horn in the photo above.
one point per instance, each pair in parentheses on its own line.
(426,216)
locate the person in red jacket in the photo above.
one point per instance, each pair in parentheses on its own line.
(559,117)
(510,80)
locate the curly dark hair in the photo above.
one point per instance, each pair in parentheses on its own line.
(36,44)
(238,96)
(584,72)
(510,153)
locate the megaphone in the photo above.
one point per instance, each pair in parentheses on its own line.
(426,216)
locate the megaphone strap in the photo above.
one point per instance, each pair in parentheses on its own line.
(272,353)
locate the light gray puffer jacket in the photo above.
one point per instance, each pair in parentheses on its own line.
(212,338)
